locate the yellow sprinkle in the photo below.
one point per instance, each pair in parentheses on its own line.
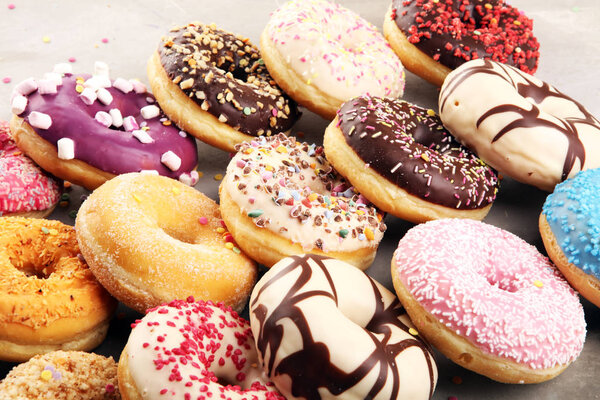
(79,88)
(137,198)
(46,374)
(269,168)
(80,79)
(200,174)
(313,165)
(517,23)
(218,177)
(166,123)
(493,21)
(312,197)
(53,231)
(220,230)
(145,128)
(308,82)
(46,39)
(248,151)
(413,331)
(538,283)
(488,6)
(360,212)
(229,245)
(281,149)
(431,113)
(425,157)
(369,233)
(176,190)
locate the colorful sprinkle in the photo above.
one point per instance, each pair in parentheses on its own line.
(413,331)
(218,177)
(6,79)
(203,220)
(255,213)
(538,283)
(46,375)
(72,59)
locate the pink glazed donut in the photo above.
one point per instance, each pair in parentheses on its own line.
(488,300)
(25,190)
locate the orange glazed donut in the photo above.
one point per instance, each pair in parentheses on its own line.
(49,299)
(150,239)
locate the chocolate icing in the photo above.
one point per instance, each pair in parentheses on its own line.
(225,75)
(408,146)
(529,118)
(110,149)
(306,381)
(456,31)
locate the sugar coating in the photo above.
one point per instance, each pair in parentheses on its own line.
(573,214)
(63,375)
(335,49)
(493,289)
(181,350)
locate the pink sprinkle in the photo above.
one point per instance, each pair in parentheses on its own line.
(11,6)
(104,40)
(251,200)
(110,388)
(274,112)
(72,59)
(6,79)
(240,163)
(203,220)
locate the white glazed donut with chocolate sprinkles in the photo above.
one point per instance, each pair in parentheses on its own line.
(400,156)
(282,197)
(520,125)
(325,330)
(215,85)
(185,349)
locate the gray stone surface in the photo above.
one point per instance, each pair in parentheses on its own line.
(569,34)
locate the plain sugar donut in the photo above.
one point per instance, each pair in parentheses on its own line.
(489,301)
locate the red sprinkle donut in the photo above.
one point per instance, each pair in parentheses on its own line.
(24,189)
(186,348)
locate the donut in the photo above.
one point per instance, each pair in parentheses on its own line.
(281,197)
(63,375)
(488,301)
(49,299)
(323,54)
(87,129)
(25,191)
(186,349)
(215,85)
(521,126)
(400,156)
(150,239)
(434,37)
(298,311)
(570,228)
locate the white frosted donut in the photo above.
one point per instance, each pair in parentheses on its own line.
(323,54)
(282,197)
(324,330)
(192,350)
(523,127)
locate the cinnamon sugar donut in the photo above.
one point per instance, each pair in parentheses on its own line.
(150,239)
(49,299)
(215,85)
(433,37)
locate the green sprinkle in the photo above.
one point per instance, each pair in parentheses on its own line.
(575,9)
(351,203)
(255,213)
(261,61)
(45,230)
(247,110)
(343,233)
(327,200)
(65,197)
(236,250)
(73,213)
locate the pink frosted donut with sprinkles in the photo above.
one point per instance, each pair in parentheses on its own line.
(25,190)
(488,300)
(185,349)
(323,54)
(281,197)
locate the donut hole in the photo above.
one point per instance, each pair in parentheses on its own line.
(180,235)
(33,268)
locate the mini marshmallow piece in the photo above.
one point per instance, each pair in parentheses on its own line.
(171,160)
(142,136)
(66,149)
(101,68)
(182,134)
(18,104)
(46,86)
(104,118)
(26,87)
(54,77)
(138,86)
(88,96)
(149,172)
(123,85)
(97,81)
(189,179)
(63,68)
(39,120)
(117,117)
(104,96)
(130,124)
(150,112)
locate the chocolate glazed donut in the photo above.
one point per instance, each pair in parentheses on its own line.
(225,75)
(453,32)
(311,369)
(560,115)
